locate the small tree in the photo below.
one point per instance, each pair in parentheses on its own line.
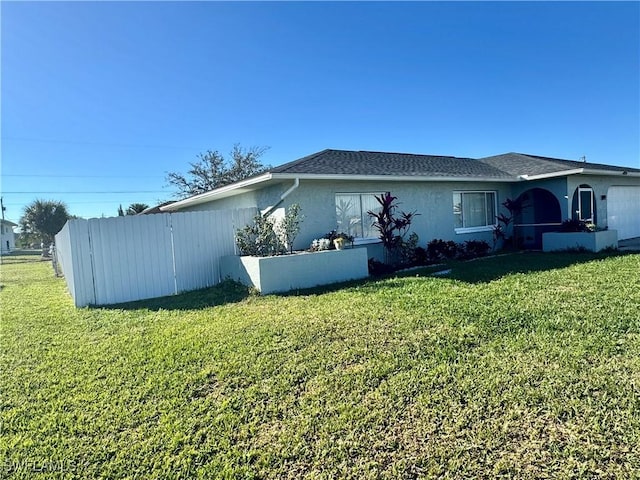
(289,227)
(136,208)
(44,218)
(120,211)
(258,238)
(392,228)
(501,230)
(212,170)
(263,237)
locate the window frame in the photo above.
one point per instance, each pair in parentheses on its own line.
(592,198)
(357,240)
(480,228)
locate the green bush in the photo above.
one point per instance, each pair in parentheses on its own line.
(259,238)
(264,238)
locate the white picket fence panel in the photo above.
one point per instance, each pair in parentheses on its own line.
(122,259)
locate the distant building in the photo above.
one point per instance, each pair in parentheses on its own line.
(7,236)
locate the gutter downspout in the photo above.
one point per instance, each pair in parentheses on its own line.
(296,184)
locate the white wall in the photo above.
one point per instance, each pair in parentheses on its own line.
(600,185)
(7,238)
(122,259)
(432,200)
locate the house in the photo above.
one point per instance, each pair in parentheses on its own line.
(457,198)
(7,236)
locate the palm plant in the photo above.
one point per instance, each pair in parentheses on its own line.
(44,218)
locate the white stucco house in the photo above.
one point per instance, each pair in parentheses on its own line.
(7,236)
(457,198)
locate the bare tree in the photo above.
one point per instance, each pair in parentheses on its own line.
(213,171)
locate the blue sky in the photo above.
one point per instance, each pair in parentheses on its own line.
(108,97)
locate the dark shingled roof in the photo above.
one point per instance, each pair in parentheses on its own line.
(525,164)
(345,162)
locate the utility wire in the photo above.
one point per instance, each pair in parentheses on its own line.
(79,176)
(81,142)
(90,193)
(97,202)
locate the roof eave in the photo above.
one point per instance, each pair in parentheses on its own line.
(613,173)
(392,178)
(578,171)
(238,188)
(542,176)
(222,192)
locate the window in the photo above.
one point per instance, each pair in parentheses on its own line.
(584,204)
(474,211)
(351,214)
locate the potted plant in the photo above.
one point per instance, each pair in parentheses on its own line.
(339,242)
(338,239)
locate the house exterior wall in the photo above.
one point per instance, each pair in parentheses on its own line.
(556,186)
(262,199)
(432,200)
(244,200)
(600,185)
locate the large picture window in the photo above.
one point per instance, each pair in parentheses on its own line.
(474,211)
(351,214)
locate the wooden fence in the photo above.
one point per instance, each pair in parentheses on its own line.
(121,259)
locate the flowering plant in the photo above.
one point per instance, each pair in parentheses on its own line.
(577,226)
(334,234)
(320,244)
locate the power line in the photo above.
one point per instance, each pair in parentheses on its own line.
(98,202)
(79,176)
(82,142)
(91,193)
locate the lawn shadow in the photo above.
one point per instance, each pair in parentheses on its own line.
(23,256)
(372,282)
(488,269)
(221,294)
(481,270)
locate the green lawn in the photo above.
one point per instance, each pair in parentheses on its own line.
(522,366)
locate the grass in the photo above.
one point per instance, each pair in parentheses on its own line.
(523,366)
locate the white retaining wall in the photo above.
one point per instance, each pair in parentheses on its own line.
(121,259)
(304,270)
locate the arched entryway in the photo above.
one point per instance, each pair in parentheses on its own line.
(541,213)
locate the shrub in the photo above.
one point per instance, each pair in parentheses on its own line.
(392,228)
(263,238)
(289,227)
(575,226)
(407,250)
(259,238)
(420,256)
(447,250)
(379,268)
(439,249)
(474,249)
(500,230)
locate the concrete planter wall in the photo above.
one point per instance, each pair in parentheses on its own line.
(592,241)
(301,270)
